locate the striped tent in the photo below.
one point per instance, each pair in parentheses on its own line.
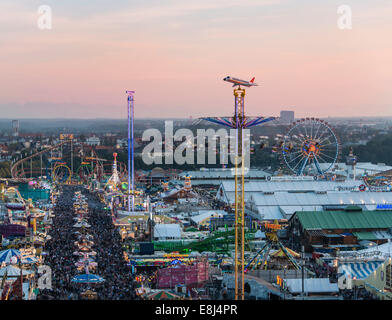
(87,278)
(29,260)
(7,255)
(359,270)
(280,253)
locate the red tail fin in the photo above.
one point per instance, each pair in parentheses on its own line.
(253,79)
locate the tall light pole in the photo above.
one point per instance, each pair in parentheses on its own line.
(130,150)
(302,271)
(71,161)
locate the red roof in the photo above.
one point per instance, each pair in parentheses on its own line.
(26,135)
(104,147)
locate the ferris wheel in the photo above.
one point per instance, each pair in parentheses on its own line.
(310,143)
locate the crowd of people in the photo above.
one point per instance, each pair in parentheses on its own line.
(357,294)
(119,282)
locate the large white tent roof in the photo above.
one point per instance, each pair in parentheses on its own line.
(226,192)
(167,230)
(284,204)
(205,214)
(216,173)
(291,185)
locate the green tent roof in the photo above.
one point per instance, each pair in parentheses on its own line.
(365,235)
(379,219)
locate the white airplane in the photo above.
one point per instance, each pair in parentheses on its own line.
(239,82)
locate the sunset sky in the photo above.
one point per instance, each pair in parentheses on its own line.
(175,53)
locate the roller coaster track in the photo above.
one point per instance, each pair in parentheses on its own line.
(18,174)
(15,174)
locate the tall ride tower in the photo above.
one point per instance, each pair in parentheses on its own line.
(239,122)
(239,177)
(131,169)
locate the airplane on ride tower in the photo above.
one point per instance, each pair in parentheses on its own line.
(239,82)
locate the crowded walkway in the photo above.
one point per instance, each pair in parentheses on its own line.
(118,284)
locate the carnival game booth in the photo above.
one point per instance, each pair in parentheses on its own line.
(155,262)
(183,274)
(89,295)
(86,263)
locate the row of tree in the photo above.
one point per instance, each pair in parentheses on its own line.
(377,150)
(5,170)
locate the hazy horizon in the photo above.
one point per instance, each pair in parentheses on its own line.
(179,118)
(172,118)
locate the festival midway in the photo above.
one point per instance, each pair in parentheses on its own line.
(162,165)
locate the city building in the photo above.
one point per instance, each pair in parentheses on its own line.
(286,117)
(15,128)
(93,141)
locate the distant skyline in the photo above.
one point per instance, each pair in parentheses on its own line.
(175,53)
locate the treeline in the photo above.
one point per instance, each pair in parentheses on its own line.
(5,171)
(259,159)
(377,150)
